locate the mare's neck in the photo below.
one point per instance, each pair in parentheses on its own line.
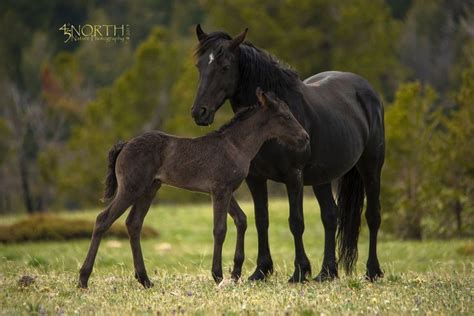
(249,135)
(257,69)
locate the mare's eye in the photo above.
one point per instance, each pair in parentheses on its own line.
(225,67)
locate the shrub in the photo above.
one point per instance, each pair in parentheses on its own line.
(52,227)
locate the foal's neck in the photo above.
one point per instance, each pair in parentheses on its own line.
(249,135)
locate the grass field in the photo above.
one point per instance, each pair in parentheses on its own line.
(430,277)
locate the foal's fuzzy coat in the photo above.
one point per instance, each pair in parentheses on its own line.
(216,163)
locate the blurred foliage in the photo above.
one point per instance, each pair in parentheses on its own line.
(63,105)
(359,36)
(406,178)
(52,227)
(135,102)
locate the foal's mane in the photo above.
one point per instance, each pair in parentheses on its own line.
(257,67)
(240,116)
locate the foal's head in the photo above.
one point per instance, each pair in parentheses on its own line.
(280,122)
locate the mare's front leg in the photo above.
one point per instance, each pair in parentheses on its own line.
(220,203)
(240,220)
(328,208)
(258,189)
(294,187)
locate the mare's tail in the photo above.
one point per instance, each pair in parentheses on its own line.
(111,179)
(350,202)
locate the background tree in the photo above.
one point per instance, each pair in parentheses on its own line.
(406,175)
(63,105)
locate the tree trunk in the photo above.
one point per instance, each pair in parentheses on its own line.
(25,185)
(457,212)
(413,229)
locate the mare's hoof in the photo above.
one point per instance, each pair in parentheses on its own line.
(261,274)
(373,274)
(297,279)
(299,276)
(302,271)
(326,275)
(235,276)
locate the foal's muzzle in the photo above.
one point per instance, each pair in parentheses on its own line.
(303,142)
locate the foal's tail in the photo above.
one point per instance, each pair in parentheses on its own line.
(111,179)
(350,202)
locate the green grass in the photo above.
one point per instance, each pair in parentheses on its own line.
(420,277)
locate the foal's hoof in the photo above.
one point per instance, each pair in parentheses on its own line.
(326,275)
(373,274)
(82,283)
(144,280)
(146,284)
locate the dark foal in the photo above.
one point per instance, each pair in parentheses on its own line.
(216,163)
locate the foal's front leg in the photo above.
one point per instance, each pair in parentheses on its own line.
(220,204)
(240,220)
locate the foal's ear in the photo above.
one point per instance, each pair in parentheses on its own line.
(201,35)
(236,41)
(261,97)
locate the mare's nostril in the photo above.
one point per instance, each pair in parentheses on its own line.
(203,111)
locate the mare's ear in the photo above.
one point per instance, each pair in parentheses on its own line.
(261,97)
(201,35)
(236,41)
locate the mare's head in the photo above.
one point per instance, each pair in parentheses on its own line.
(280,122)
(218,65)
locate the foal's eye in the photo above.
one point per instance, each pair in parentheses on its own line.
(225,67)
(288,117)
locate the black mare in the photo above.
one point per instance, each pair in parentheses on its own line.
(343,116)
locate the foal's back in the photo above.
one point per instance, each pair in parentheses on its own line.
(197,164)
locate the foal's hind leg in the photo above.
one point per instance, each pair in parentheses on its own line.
(134,224)
(370,167)
(103,222)
(329,217)
(220,204)
(240,220)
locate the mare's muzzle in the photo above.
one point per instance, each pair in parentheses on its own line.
(203,116)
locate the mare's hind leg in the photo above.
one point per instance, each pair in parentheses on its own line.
(370,167)
(329,218)
(103,222)
(240,220)
(134,224)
